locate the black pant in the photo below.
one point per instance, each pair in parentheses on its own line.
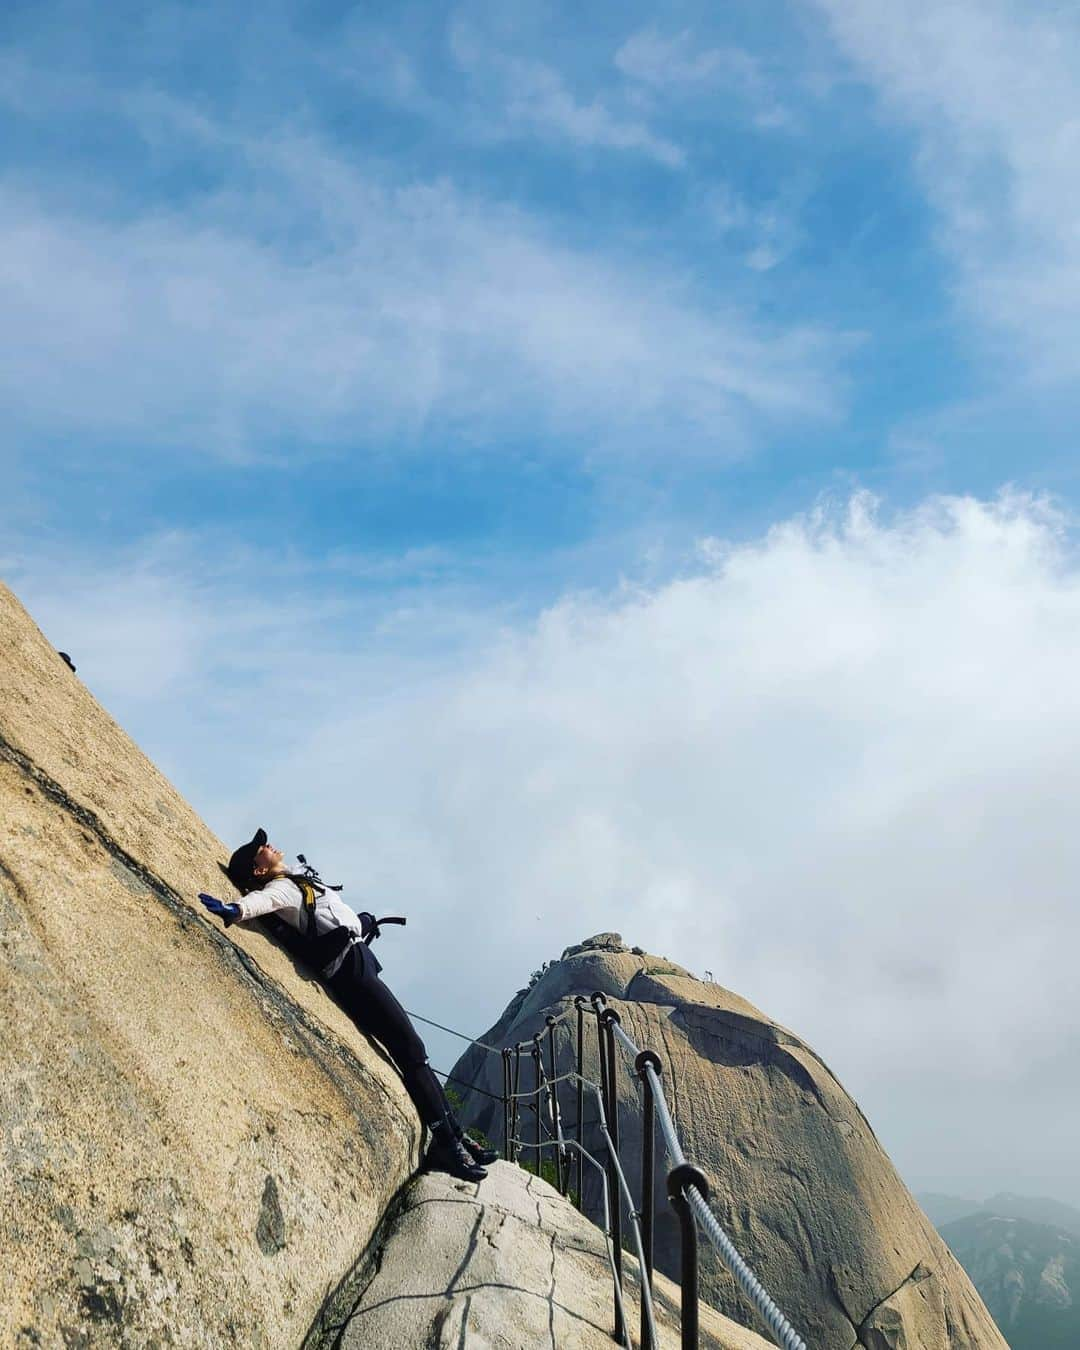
(377,1012)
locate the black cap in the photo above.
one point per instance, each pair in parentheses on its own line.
(240,869)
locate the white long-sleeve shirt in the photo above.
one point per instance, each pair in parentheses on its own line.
(284,897)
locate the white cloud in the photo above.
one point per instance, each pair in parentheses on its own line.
(510,95)
(678,65)
(667,60)
(526,94)
(541,98)
(766,235)
(211,327)
(991,89)
(837,765)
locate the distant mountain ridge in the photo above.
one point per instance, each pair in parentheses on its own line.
(1028,1275)
(1023,1256)
(1037,1209)
(942,1209)
(945,1209)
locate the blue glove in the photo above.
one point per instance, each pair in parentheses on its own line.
(228,913)
(367,924)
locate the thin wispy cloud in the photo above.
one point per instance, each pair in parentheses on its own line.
(683,64)
(992,94)
(767,234)
(674,61)
(527,95)
(210,328)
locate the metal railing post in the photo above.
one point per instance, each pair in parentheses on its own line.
(685,1174)
(648,1176)
(579,1004)
(599,1003)
(514,1112)
(609,1018)
(556,1122)
(506,1102)
(539,1068)
(611,1111)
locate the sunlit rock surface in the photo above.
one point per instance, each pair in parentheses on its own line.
(195,1143)
(508,1264)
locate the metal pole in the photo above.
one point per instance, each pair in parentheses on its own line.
(648,1178)
(599,1002)
(579,1004)
(611,1111)
(538,1066)
(506,1102)
(610,1017)
(678,1179)
(514,1113)
(553,1088)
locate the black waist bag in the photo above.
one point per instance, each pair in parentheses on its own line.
(327,947)
(315,952)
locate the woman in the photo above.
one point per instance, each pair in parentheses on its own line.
(335,934)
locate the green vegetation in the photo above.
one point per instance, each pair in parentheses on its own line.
(550,1174)
(457,1102)
(536,974)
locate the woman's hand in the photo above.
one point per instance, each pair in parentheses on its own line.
(228,913)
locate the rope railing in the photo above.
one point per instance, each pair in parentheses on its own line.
(687,1185)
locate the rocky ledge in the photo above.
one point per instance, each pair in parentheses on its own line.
(504,1265)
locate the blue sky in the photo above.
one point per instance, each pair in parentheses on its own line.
(504,282)
(482,402)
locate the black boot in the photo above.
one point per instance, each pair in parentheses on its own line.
(478,1153)
(447,1153)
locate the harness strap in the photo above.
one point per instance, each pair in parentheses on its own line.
(311,873)
(308,892)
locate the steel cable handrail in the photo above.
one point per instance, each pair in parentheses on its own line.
(472,1040)
(554,1109)
(550,1022)
(473,1087)
(635,1218)
(547,1082)
(613,1153)
(561,1143)
(781,1328)
(770,1313)
(584,1152)
(667,1125)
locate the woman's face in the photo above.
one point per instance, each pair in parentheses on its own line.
(267,859)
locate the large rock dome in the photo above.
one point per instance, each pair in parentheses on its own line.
(798,1178)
